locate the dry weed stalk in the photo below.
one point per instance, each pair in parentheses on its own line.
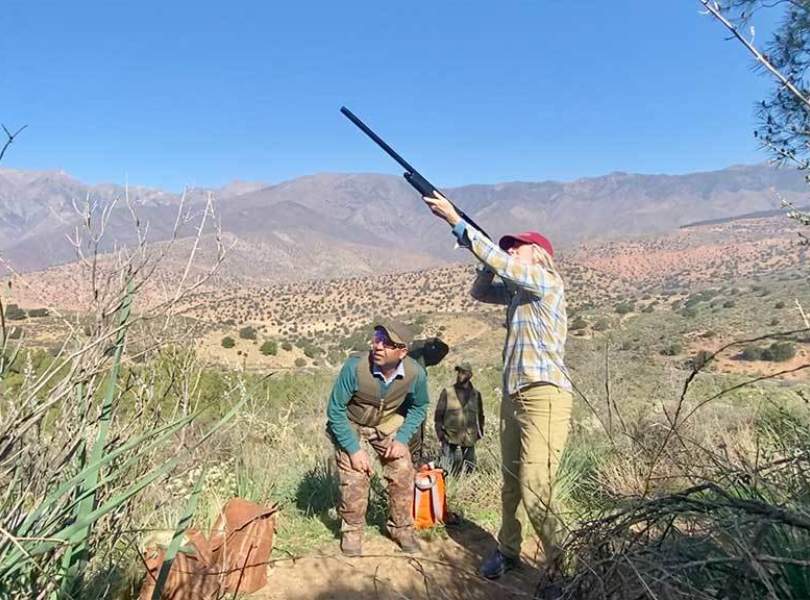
(90,414)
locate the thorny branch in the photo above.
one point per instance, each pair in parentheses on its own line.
(9,138)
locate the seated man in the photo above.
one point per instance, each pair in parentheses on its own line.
(381,398)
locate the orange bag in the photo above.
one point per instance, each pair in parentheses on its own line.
(429,498)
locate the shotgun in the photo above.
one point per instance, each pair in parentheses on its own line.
(412,176)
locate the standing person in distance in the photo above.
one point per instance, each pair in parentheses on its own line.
(459,421)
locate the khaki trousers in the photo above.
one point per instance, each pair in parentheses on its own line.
(534,426)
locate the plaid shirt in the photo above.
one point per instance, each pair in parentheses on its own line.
(536,317)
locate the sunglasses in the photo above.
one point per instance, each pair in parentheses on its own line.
(380,337)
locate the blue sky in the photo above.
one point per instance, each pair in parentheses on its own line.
(169,94)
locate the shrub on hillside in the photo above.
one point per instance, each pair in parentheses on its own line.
(247,333)
(699,360)
(38,312)
(228,342)
(782,351)
(578,323)
(269,348)
(751,353)
(14,313)
(300,362)
(672,349)
(776,352)
(601,325)
(623,308)
(286,346)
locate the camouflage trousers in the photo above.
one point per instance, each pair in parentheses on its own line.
(354,485)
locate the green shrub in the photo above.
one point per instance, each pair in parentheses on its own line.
(300,362)
(286,346)
(776,352)
(623,308)
(779,304)
(601,325)
(38,312)
(228,342)
(672,349)
(269,348)
(700,359)
(247,333)
(578,323)
(14,313)
(782,351)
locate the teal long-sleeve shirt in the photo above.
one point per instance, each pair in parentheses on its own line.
(416,406)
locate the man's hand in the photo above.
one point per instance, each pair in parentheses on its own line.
(443,208)
(360,462)
(396,450)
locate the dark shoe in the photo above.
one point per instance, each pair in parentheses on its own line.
(497,564)
(407,541)
(351,543)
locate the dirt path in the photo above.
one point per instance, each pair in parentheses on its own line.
(444,569)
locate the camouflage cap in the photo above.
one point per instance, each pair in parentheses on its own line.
(464,366)
(397,331)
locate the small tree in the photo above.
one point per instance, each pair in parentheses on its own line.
(14,313)
(751,353)
(672,349)
(624,307)
(578,323)
(228,342)
(601,325)
(782,351)
(269,348)
(247,333)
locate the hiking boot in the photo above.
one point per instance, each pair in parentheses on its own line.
(351,543)
(497,564)
(407,541)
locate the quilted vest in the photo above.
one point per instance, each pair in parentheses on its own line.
(461,420)
(370,406)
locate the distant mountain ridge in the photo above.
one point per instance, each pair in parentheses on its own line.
(332,224)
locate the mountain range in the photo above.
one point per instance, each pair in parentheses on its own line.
(337,225)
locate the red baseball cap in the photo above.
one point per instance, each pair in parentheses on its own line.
(527,237)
